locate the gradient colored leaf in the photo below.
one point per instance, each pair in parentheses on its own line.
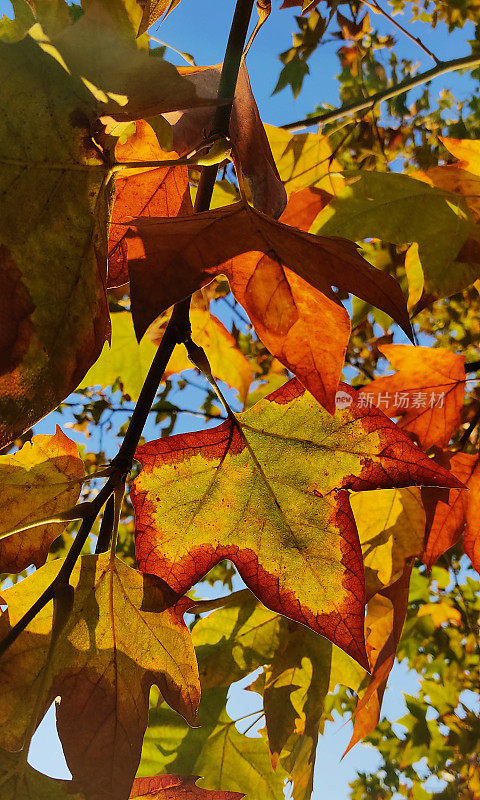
(384,621)
(250,147)
(52,284)
(391,528)
(176,787)
(42,478)
(153,192)
(129,361)
(119,639)
(274,501)
(391,207)
(426,392)
(169,259)
(451,513)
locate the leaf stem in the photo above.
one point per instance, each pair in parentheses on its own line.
(386,94)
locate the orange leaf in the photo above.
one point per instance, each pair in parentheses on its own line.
(426,392)
(386,613)
(457,511)
(272,498)
(176,787)
(151,192)
(282,276)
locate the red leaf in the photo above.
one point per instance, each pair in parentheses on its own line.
(176,787)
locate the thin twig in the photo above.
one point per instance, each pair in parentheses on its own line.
(377,9)
(386,94)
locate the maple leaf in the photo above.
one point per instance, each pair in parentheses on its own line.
(169,259)
(154,192)
(274,501)
(36,482)
(229,643)
(384,621)
(250,146)
(296,684)
(448,515)
(391,207)
(426,393)
(52,284)
(130,361)
(118,640)
(176,787)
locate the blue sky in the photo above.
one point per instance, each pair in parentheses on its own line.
(200,27)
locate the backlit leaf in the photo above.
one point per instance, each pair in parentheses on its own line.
(391,527)
(53,180)
(304,159)
(176,787)
(271,267)
(383,627)
(250,147)
(42,478)
(392,207)
(274,501)
(451,513)
(154,192)
(119,639)
(426,392)
(153,10)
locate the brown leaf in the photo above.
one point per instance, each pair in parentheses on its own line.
(249,141)
(176,787)
(153,10)
(282,276)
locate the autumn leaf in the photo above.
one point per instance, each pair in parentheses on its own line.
(126,81)
(426,392)
(229,643)
(52,284)
(102,667)
(176,787)
(274,488)
(304,159)
(129,361)
(153,10)
(169,259)
(19,780)
(42,478)
(153,192)
(440,613)
(296,684)
(391,207)
(250,147)
(384,621)
(450,514)
(391,528)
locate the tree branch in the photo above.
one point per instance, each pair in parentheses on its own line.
(177,331)
(377,9)
(386,94)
